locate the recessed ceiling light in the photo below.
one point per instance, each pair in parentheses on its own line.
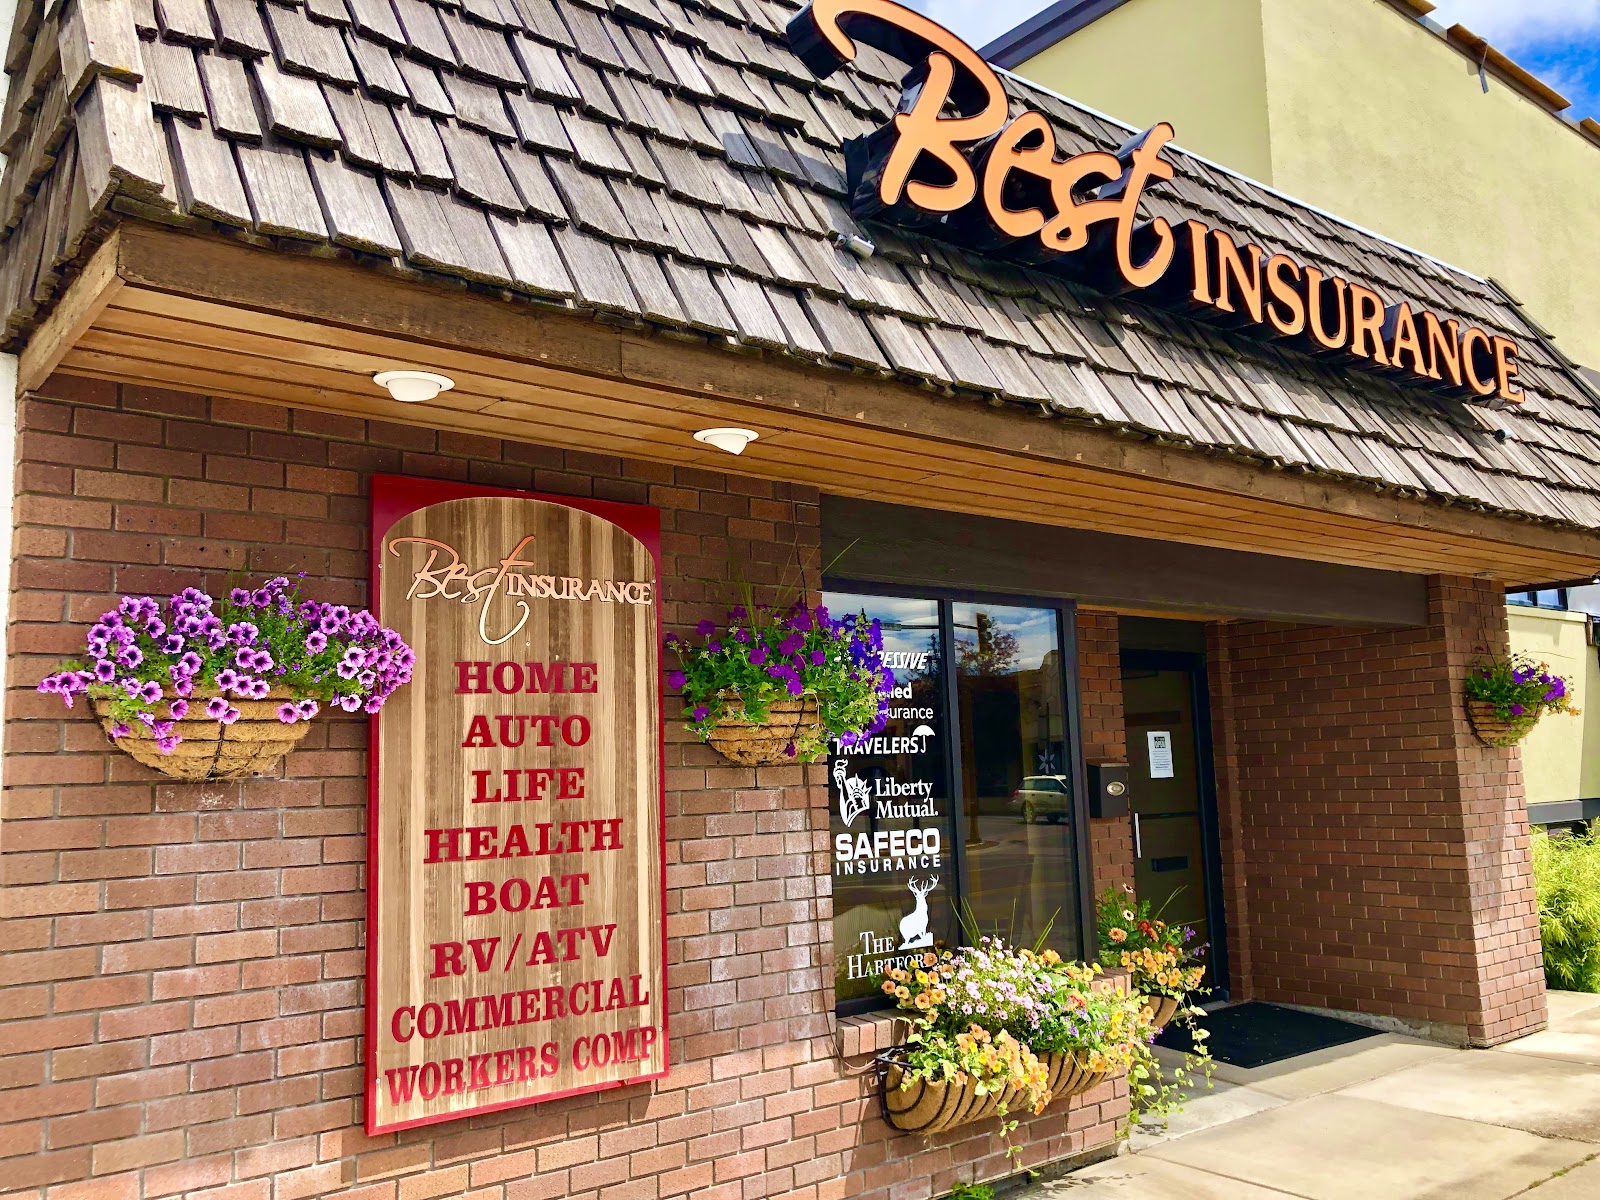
(413,387)
(732,440)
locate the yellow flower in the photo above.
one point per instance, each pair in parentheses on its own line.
(902,992)
(1051,957)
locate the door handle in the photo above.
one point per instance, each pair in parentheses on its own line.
(1138,850)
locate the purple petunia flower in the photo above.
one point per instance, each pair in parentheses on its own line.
(818,657)
(288,713)
(676,679)
(1517,710)
(795,687)
(758,656)
(179,709)
(742,636)
(705,628)
(700,712)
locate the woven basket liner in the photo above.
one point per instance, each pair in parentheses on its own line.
(209,749)
(1493,730)
(762,744)
(1160,1008)
(927,1108)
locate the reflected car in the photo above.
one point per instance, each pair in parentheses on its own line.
(1043,798)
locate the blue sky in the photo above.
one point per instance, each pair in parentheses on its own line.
(1557,40)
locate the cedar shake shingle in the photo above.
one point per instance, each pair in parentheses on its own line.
(692,136)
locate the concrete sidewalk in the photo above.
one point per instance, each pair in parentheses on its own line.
(1386,1118)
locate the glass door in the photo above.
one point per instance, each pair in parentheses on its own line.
(1177,865)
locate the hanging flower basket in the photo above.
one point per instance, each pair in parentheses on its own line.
(208,749)
(771,742)
(200,688)
(926,1107)
(775,685)
(1161,1009)
(1506,697)
(1493,729)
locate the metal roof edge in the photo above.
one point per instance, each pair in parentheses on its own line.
(1044,29)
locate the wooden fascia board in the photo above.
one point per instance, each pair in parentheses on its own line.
(342,295)
(74,313)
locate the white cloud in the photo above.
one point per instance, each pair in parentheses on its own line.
(1517,24)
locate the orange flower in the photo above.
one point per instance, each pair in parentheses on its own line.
(1119,935)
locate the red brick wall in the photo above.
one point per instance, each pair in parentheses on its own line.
(1105,738)
(184,962)
(1378,852)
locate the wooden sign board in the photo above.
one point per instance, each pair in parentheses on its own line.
(515,938)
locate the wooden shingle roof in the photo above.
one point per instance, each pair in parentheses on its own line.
(674,164)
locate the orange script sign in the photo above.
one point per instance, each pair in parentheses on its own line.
(955,164)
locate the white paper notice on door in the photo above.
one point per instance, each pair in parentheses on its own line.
(1160,742)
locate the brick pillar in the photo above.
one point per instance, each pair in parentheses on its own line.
(1104,738)
(1508,967)
(1380,852)
(1230,818)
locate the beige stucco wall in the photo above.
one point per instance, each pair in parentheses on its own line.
(1197,64)
(1355,108)
(1375,118)
(1561,757)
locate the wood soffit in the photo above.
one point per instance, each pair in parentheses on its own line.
(165,307)
(672,166)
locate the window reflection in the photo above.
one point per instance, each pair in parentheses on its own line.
(1020,873)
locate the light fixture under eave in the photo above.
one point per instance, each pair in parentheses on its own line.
(732,440)
(413,387)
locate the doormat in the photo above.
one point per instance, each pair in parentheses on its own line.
(1254,1034)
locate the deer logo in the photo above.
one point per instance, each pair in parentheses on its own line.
(853,799)
(914,932)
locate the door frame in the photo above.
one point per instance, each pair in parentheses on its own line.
(1194,664)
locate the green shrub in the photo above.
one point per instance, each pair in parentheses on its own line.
(1566,873)
(972,1191)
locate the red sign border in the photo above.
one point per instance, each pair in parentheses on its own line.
(394,497)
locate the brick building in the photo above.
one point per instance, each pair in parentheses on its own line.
(1101,526)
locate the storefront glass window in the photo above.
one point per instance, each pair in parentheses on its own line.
(910,850)
(1020,874)
(892,817)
